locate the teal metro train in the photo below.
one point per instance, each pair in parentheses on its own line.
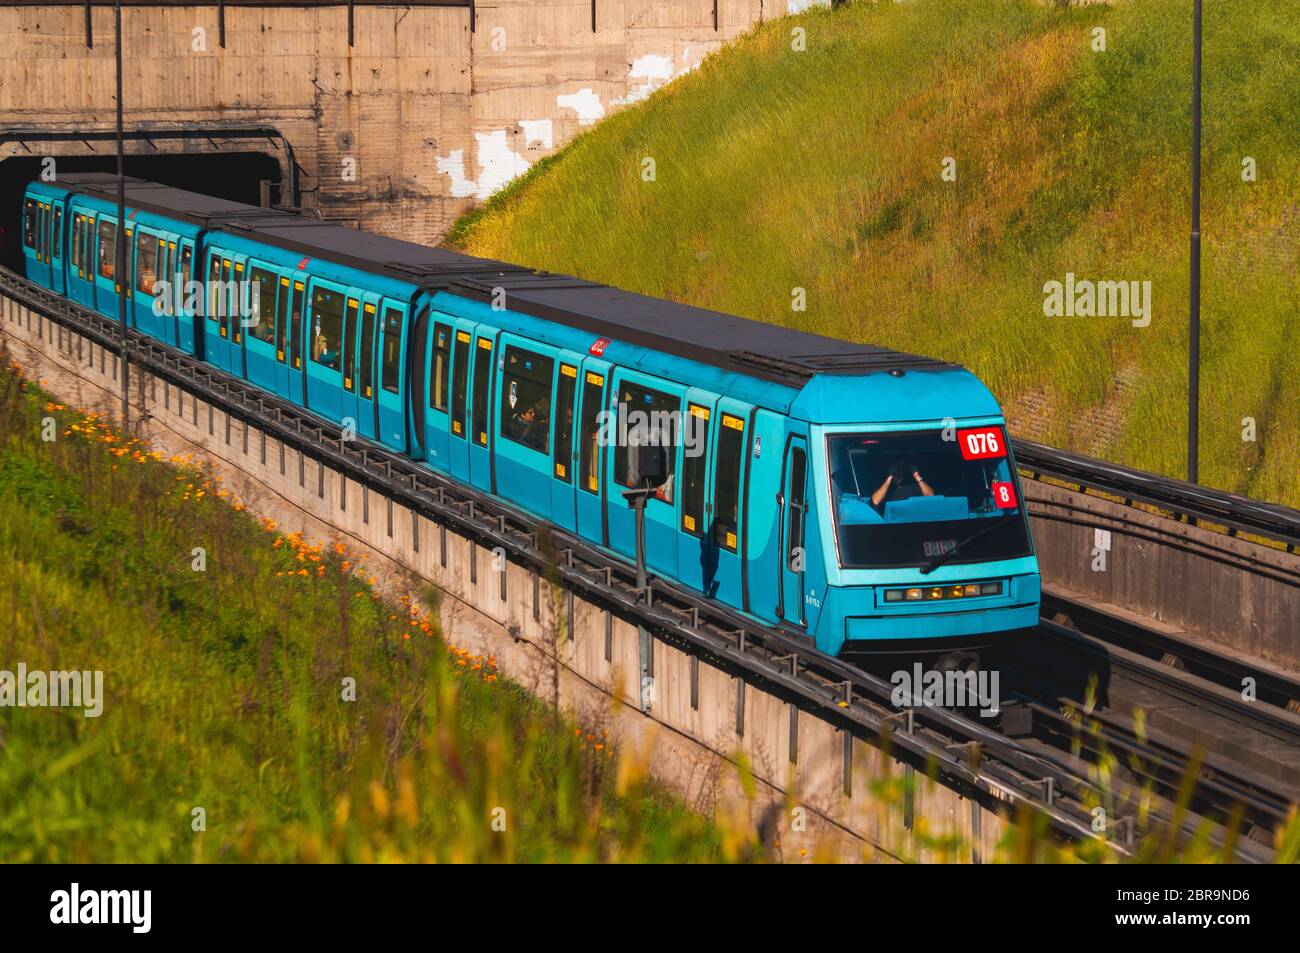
(860,498)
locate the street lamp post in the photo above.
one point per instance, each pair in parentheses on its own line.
(120,265)
(1194,312)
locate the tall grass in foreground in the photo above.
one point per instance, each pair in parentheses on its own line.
(822,169)
(225,692)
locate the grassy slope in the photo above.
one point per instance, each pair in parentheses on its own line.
(224,691)
(821,170)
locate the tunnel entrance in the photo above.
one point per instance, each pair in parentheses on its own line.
(237,176)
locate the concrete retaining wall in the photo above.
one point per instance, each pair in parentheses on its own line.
(430,116)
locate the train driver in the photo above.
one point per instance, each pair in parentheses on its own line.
(902,481)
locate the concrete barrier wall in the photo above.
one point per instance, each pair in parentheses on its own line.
(693,748)
(430,116)
(1239,595)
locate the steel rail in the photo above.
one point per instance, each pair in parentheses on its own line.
(1274,688)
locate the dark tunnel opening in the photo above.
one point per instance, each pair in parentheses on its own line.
(237,176)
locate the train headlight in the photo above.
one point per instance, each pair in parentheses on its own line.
(959,591)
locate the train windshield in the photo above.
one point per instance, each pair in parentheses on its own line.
(917,497)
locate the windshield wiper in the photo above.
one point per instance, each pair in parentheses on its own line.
(938,561)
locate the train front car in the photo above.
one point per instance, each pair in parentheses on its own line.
(928,549)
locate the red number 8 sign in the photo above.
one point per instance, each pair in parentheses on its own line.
(1004,495)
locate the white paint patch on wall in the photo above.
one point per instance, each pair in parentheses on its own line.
(654,70)
(498,162)
(538,130)
(585,103)
(453,165)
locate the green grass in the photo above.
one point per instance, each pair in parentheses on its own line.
(821,170)
(224,691)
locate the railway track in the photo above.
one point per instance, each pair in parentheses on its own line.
(971,756)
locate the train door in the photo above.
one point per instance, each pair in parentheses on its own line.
(348,412)
(725,502)
(564,443)
(167,300)
(186,306)
(144,246)
(394,331)
(105,264)
(648,402)
(697,550)
(260,325)
(56,247)
(458,449)
(589,459)
(367,362)
(793,526)
(296,373)
(41,272)
(241,316)
(437,416)
(482,379)
(324,358)
(77,280)
(214,333)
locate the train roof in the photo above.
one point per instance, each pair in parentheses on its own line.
(733,343)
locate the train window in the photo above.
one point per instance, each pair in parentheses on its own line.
(295,325)
(565,391)
(56,233)
(439,379)
(77,222)
(459,376)
(146,262)
(263,327)
(593,400)
(214,286)
(794,532)
(368,352)
(526,398)
(326,326)
(29,224)
(107,248)
(391,374)
(726,482)
(350,345)
(187,255)
(482,388)
(694,467)
(657,413)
